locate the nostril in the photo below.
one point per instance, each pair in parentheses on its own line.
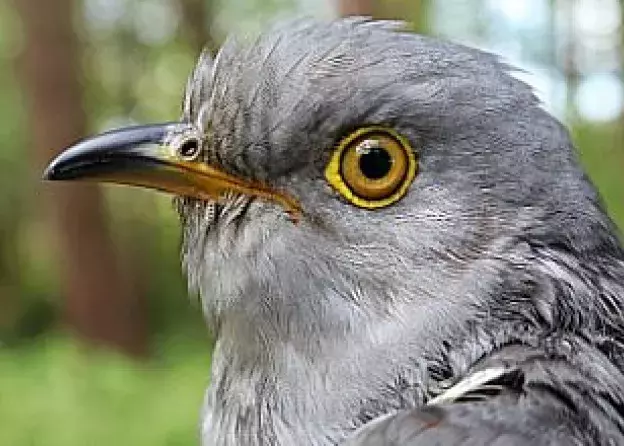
(189,149)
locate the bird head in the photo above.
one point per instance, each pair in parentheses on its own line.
(348,171)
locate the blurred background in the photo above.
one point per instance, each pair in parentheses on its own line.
(99,341)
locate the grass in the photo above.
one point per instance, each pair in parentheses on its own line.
(55,393)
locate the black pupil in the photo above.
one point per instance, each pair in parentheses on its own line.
(189,148)
(375,163)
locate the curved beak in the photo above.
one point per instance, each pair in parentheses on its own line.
(144,156)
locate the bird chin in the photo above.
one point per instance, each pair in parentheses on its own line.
(202,218)
(220,241)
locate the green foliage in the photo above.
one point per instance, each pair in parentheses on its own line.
(601,149)
(54,393)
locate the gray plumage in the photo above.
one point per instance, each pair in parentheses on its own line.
(500,255)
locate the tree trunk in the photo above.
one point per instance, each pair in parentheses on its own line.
(99,306)
(570,62)
(195,14)
(355,7)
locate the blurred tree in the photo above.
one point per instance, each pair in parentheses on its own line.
(100,306)
(415,12)
(570,57)
(620,124)
(195,19)
(355,7)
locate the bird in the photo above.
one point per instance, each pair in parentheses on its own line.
(394,243)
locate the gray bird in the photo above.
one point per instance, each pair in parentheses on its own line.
(393,242)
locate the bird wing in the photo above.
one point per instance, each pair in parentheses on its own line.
(538,401)
(475,424)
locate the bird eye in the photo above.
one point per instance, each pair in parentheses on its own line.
(372,167)
(189,149)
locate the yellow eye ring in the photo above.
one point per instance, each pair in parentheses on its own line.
(372,167)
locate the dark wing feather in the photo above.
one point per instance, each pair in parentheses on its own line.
(519,396)
(480,424)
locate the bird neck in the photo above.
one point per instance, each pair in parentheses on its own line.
(315,388)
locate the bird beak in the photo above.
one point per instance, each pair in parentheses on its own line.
(144,156)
